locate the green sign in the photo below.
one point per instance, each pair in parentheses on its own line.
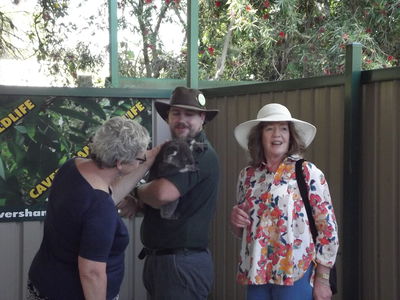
(39,133)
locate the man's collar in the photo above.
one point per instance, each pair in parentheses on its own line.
(201,136)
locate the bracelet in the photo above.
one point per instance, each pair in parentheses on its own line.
(322,275)
(135,193)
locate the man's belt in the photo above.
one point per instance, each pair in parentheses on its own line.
(168,251)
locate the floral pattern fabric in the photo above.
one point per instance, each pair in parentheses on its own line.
(277,247)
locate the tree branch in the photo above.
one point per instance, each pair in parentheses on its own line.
(143,30)
(156,66)
(221,63)
(180,18)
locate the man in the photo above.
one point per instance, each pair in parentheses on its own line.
(178,263)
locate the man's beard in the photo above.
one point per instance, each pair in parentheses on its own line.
(190,134)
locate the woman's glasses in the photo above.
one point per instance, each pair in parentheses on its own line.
(141,160)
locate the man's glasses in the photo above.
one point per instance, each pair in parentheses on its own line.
(141,160)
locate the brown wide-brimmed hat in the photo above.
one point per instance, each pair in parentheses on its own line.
(183,97)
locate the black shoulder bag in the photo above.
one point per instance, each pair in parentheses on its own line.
(301,182)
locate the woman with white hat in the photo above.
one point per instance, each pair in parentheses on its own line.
(278,258)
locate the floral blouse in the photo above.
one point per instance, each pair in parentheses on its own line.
(277,247)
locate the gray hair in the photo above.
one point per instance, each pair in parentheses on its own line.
(118,139)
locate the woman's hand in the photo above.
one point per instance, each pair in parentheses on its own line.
(151,155)
(240,217)
(239,220)
(322,289)
(129,206)
(122,185)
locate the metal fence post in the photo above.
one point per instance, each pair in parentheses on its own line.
(113,34)
(351,192)
(192,44)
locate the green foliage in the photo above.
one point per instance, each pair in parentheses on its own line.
(239,39)
(50,37)
(2,173)
(285,39)
(145,18)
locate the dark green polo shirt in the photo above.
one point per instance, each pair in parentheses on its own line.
(196,206)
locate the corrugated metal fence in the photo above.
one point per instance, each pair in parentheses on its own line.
(380,191)
(20,241)
(323,107)
(379,236)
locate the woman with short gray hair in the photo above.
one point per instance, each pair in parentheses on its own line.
(119,139)
(82,251)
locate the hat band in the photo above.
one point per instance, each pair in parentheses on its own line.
(283,117)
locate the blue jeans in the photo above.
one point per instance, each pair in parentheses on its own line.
(301,290)
(183,276)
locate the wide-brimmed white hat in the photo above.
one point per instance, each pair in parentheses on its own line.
(275,112)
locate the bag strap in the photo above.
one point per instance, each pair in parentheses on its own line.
(301,182)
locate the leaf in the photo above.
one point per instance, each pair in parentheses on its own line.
(118,112)
(65,145)
(2,172)
(12,193)
(48,137)
(75,114)
(93,106)
(62,160)
(77,139)
(77,130)
(16,151)
(31,130)
(20,128)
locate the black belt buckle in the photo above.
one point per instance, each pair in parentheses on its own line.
(143,253)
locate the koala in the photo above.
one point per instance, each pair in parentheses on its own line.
(175,156)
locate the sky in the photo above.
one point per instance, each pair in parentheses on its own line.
(18,72)
(27,72)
